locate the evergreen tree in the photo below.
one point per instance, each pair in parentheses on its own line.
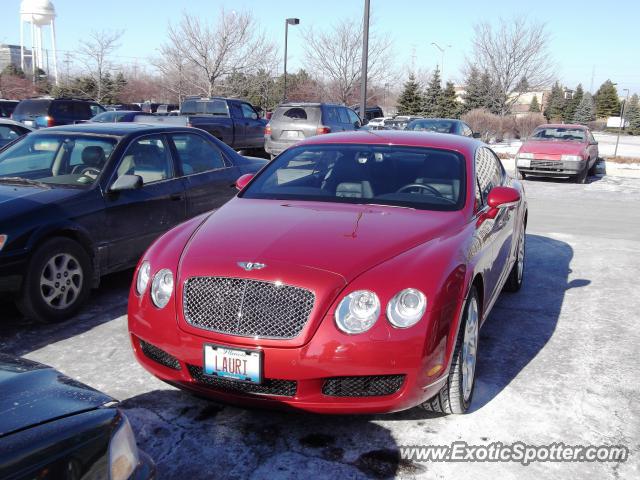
(586,111)
(473,96)
(432,97)
(12,70)
(410,100)
(534,107)
(449,105)
(572,105)
(607,101)
(557,103)
(633,115)
(493,100)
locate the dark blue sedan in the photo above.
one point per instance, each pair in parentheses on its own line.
(114,116)
(441,125)
(80,201)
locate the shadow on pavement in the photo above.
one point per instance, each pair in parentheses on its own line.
(19,336)
(181,431)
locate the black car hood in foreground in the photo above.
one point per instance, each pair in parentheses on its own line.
(16,200)
(32,393)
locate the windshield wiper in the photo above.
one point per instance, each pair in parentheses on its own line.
(23,181)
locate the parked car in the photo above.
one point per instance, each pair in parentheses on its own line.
(235,122)
(51,112)
(82,201)
(292,122)
(54,427)
(558,150)
(119,116)
(399,122)
(165,109)
(377,123)
(372,112)
(351,275)
(441,125)
(10,130)
(7,107)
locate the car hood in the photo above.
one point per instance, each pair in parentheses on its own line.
(343,239)
(32,393)
(16,200)
(554,147)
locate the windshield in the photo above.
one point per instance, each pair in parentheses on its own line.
(415,177)
(57,159)
(441,126)
(559,133)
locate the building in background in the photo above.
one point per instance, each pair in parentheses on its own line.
(10,55)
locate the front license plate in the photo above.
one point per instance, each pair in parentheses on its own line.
(232,363)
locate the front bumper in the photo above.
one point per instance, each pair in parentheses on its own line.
(550,167)
(299,378)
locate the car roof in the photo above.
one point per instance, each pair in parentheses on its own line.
(395,137)
(562,125)
(309,104)
(117,129)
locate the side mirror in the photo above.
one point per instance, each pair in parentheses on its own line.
(475,135)
(503,197)
(356,125)
(126,182)
(244,180)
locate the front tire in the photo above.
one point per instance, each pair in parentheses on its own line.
(520,175)
(57,283)
(514,281)
(582,176)
(457,392)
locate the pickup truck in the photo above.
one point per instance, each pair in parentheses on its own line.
(235,122)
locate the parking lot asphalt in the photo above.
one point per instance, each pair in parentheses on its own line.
(558,362)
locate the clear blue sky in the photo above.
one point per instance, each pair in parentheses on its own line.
(583,38)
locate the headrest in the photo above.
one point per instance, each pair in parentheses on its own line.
(93,156)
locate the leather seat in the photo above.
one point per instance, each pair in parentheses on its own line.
(441,172)
(350,177)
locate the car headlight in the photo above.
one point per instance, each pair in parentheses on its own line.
(123,452)
(358,312)
(162,288)
(525,155)
(406,308)
(571,158)
(144,275)
(3,240)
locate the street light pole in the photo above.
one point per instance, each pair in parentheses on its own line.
(441,58)
(287,22)
(622,109)
(365,62)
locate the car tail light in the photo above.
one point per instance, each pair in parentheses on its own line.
(50,122)
(189,124)
(322,130)
(267,129)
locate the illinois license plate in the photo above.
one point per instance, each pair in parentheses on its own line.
(232,363)
(291,134)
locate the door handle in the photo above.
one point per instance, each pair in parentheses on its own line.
(176,196)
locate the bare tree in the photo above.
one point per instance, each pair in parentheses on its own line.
(95,55)
(210,52)
(516,56)
(335,56)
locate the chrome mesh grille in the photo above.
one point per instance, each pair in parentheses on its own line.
(369,386)
(269,386)
(547,164)
(247,308)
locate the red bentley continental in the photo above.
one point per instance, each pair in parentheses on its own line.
(350,275)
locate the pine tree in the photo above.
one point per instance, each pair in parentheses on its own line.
(607,101)
(557,103)
(633,115)
(432,97)
(586,111)
(449,105)
(534,107)
(473,96)
(410,100)
(493,100)
(572,105)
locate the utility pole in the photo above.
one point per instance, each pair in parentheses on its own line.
(622,109)
(287,22)
(365,61)
(442,58)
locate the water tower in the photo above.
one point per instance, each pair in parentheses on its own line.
(38,14)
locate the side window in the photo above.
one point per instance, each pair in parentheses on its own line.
(590,137)
(148,157)
(353,117)
(196,154)
(81,110)
(488,173)
(248,111)
(96,109)
(344,116)
(63,109)
(217,108)
(466,131)
(332,115)
(10,132)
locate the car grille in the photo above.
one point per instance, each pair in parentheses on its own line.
(281,388)
(247,308)
(370,386)
(158,355)
(546,164)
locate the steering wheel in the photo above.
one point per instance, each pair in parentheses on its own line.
(429,188)
(92,170)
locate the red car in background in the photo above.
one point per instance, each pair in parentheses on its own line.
(558,150)
(350,275)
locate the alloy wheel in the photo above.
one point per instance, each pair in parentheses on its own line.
(469,349)
(61,281)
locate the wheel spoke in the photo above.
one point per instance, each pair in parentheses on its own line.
(61,281)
